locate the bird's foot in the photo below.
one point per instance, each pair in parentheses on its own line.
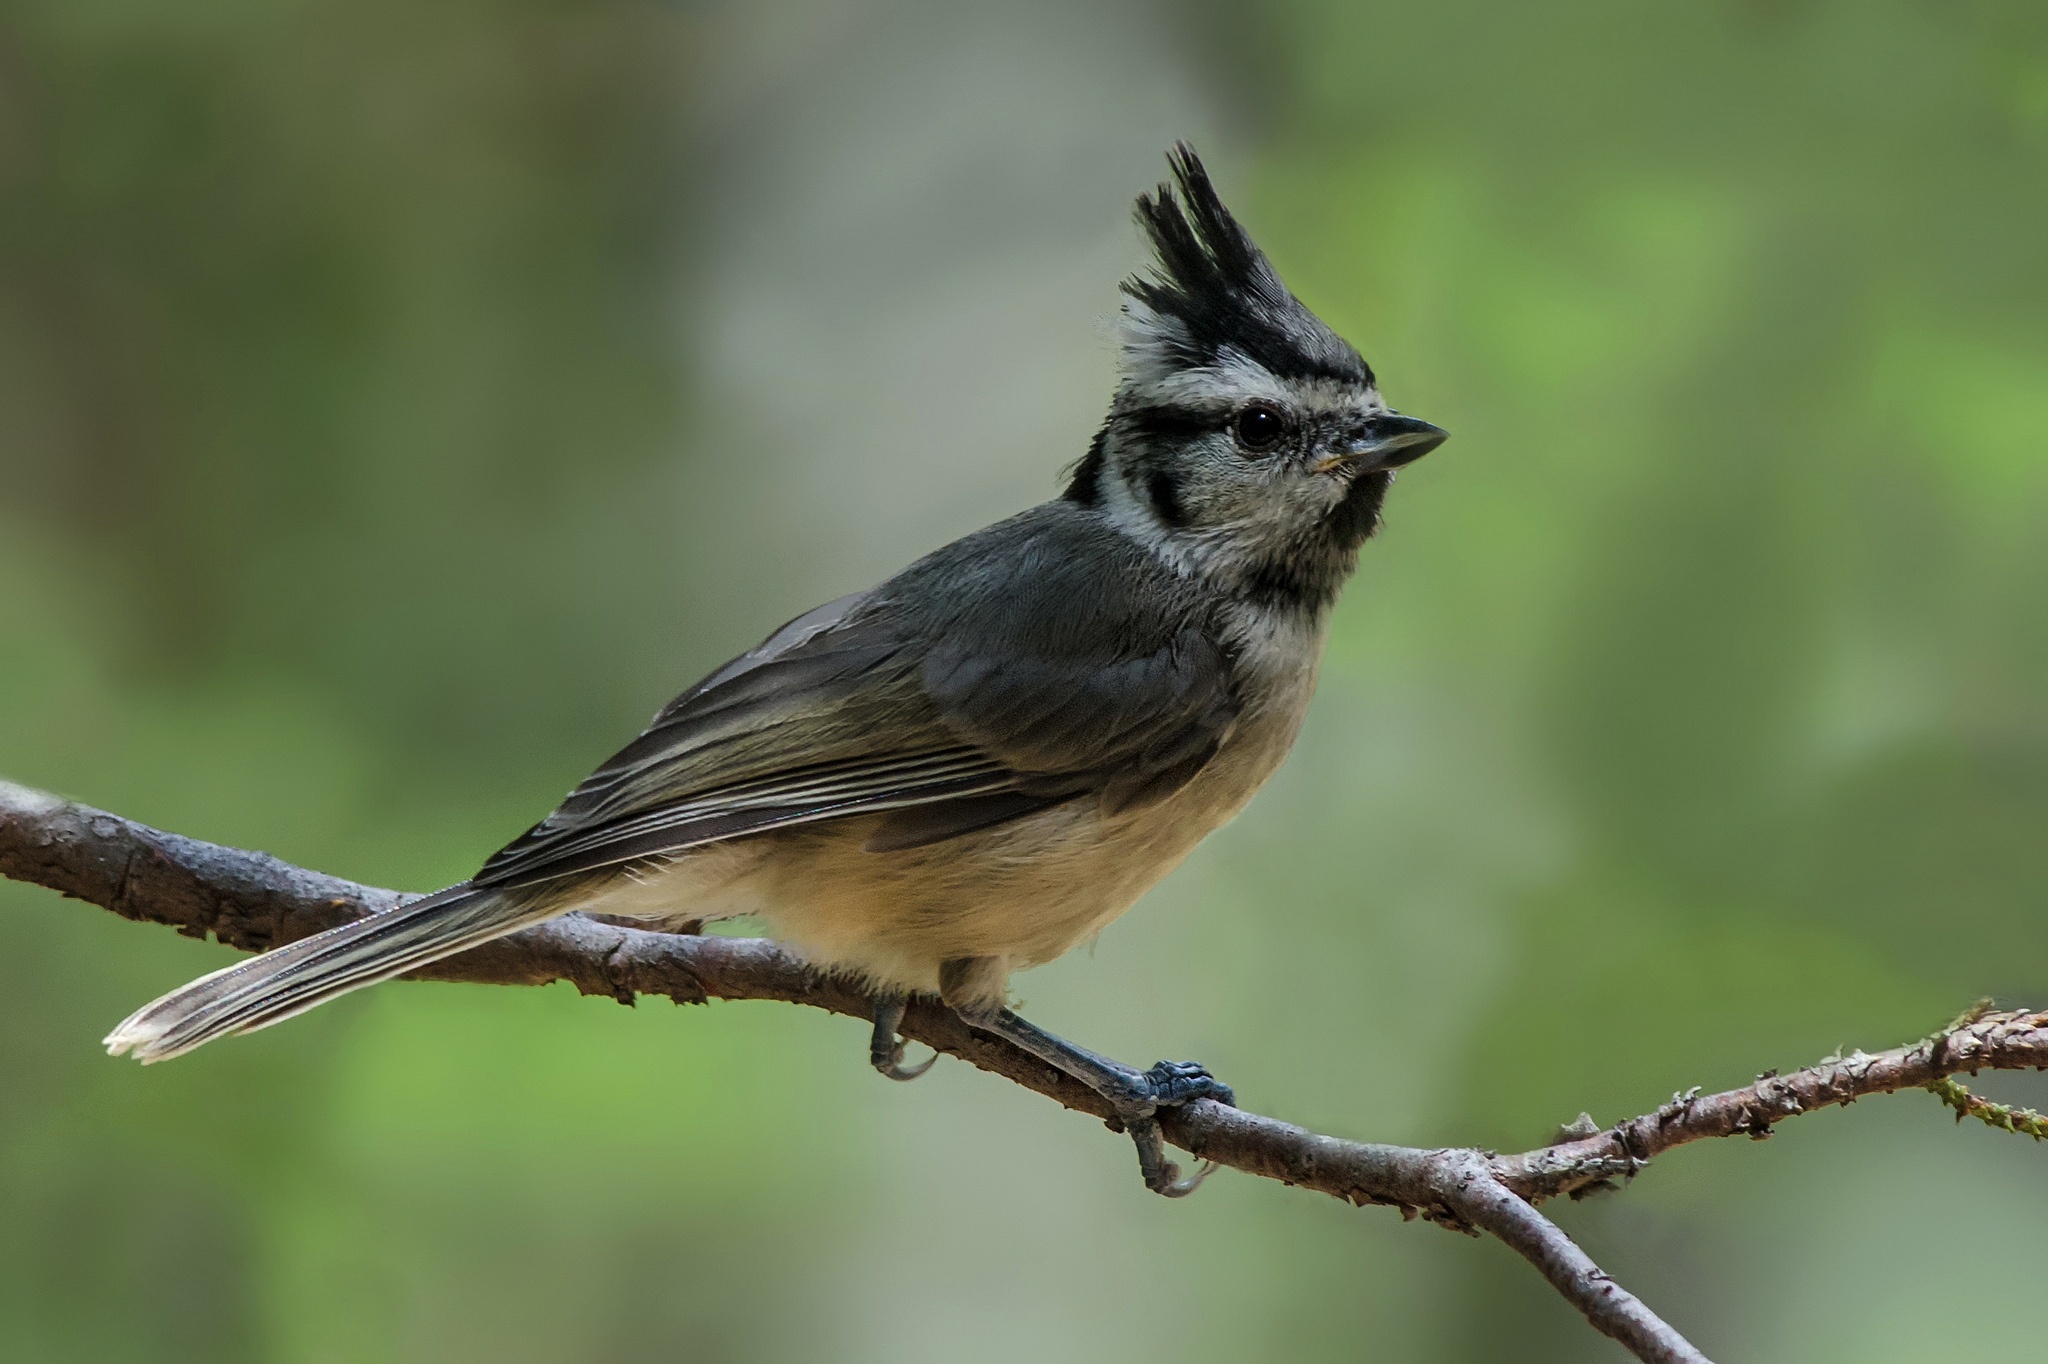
(1177,1082)
(885,1048)
(1168,1085)
(1134,1096)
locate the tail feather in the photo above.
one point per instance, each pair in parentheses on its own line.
(289,980)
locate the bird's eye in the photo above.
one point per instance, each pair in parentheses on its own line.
(1259,428)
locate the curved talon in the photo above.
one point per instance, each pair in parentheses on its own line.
(885,1048)
(1181,1188)
(1161,1175)
(893,1067)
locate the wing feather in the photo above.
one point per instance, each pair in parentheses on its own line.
(1043,659)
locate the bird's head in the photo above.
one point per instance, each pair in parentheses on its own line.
(1247,441)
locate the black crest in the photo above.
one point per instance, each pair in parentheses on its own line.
(1222,291)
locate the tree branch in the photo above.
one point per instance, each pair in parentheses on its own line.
(254,902)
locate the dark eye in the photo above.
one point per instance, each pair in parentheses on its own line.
(1259,427)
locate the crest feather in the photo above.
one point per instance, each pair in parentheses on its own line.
(1214,290)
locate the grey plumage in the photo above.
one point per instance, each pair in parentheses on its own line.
(948,684)
(985,759)
(289,980)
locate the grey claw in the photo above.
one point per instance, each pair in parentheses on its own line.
(885,1048)
(1161,1175)
(1181,1188)
(894,1068)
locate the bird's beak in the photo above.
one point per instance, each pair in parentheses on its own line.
(1388,441)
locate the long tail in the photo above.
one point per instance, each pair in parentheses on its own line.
(299,976)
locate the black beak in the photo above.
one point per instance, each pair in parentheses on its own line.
(1388,441)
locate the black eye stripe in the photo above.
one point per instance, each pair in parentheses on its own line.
(1162,425)
(1173,423)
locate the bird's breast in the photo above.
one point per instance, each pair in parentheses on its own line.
(1030,889)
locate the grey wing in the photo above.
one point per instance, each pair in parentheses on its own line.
(1081,664)
(1046,674)
(1130,732)
(1133,727)
(821,721)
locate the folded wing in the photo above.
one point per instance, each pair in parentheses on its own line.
(994,679)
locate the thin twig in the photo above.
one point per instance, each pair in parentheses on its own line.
(1990,1041)
(253,901)
(1957,1095)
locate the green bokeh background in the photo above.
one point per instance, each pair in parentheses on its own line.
(398,403)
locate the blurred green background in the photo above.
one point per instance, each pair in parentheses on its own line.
(399,402)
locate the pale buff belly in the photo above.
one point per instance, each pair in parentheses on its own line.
(1022,893)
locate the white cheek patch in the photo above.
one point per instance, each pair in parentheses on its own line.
(1133,515)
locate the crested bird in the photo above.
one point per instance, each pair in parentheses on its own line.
(983,761)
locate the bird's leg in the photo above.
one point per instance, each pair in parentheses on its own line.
(885,1048)
(1134,1096)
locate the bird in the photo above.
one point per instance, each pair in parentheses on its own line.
(980,763)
